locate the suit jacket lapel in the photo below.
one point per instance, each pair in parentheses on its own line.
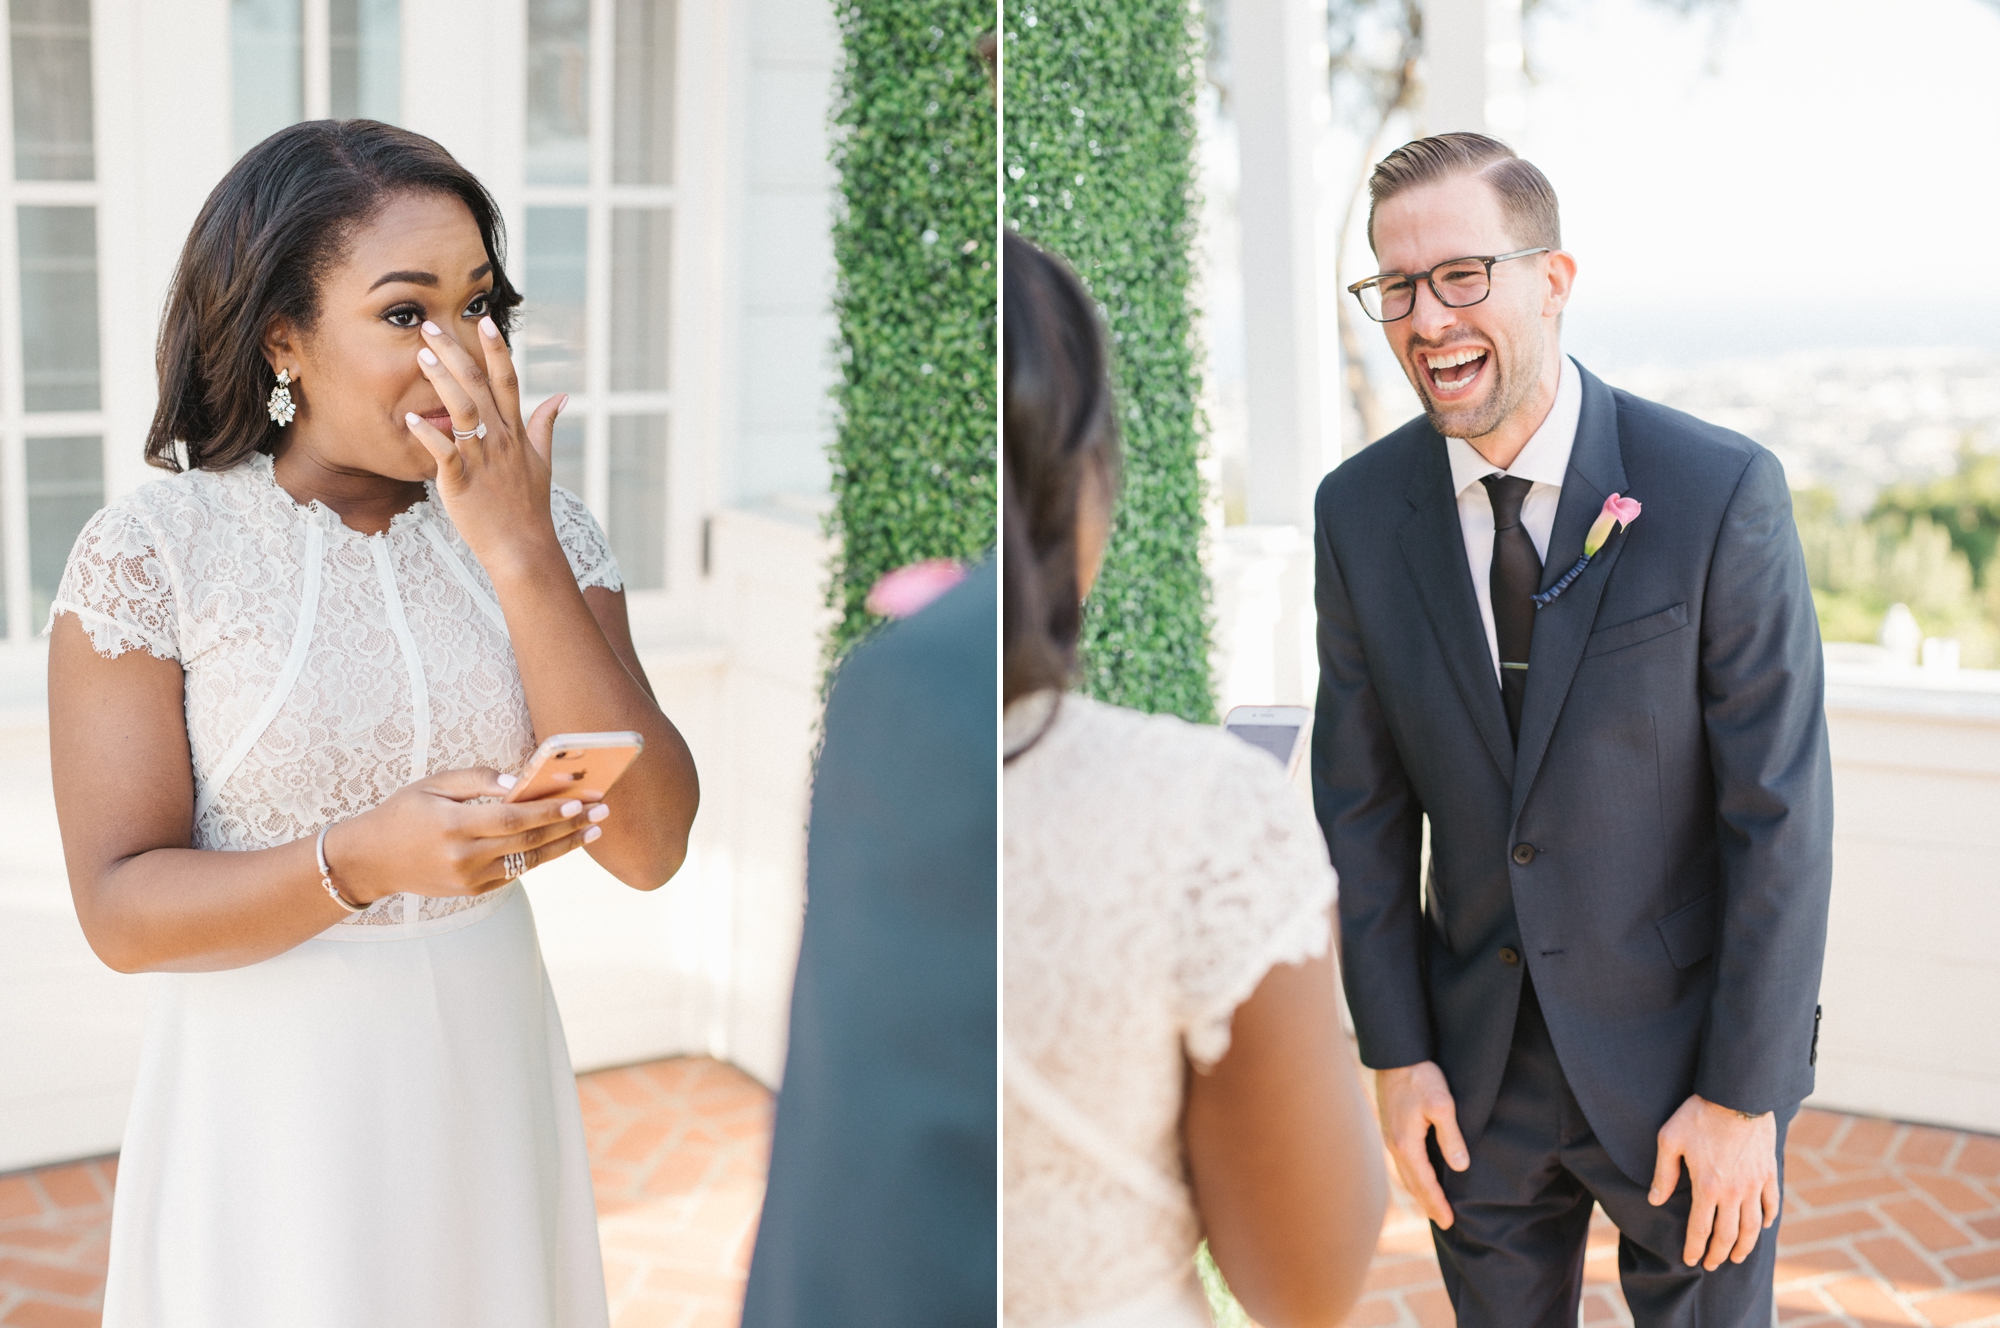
(1596,471)
(1434,547)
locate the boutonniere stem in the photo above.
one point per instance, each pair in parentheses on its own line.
(1618,512)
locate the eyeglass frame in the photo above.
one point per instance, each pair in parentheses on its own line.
(1425,276)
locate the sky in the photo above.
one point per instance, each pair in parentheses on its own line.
(1809,173)
(1806,175)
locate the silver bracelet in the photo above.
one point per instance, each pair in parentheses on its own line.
(326,874)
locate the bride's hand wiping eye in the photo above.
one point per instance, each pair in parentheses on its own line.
(493,469)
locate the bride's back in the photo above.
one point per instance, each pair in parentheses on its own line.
(1168,906)
(1156,870)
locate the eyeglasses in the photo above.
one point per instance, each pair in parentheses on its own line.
(1458,284)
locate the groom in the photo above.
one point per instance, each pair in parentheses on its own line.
(1604,986)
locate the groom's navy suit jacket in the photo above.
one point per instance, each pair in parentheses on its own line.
(1656,851)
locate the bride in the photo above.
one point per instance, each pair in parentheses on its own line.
(1173,1062)
(283,686)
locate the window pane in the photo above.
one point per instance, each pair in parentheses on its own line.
(639,499)
(65,486)
(51,40)
(566,458)
(59,307)
(364,42)
(642,91)
(640,246)
(552,290)
(267,69)
(558,91)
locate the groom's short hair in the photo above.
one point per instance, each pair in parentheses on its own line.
(1526,198)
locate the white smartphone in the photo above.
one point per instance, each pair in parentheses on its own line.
(586,764)
(1280,730)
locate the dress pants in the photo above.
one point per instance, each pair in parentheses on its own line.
(1513,1257)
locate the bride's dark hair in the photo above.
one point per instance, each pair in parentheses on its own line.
(1060,432)
(266,237)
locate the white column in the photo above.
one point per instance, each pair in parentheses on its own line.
(160,72)
(482,124)
(1274,78)
(1472,67)
(316,48)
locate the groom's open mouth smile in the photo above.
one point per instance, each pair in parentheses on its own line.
(1453,373)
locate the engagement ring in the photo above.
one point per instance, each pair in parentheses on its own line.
(514,864)
(463,435)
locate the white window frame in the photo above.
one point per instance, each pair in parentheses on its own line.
(597,402)
(17,424)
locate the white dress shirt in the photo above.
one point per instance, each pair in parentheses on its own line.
(1545,460)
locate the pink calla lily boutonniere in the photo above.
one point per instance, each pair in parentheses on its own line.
(1618,511)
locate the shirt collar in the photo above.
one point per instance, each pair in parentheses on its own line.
(1545,460)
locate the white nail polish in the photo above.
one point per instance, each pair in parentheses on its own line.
(599,812)
(490,328)
(506,781)
(432,328)
(592,835)
(411,417)
(426,356)
(572,807)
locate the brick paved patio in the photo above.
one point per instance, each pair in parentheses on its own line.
(1885,1224)
(677,1152)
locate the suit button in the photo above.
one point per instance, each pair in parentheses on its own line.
(1524,853)
(1509,955)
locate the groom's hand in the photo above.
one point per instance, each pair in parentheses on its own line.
(1412,1100)
(1732,1161)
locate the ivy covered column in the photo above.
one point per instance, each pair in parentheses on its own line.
(915,453)
(1100,171)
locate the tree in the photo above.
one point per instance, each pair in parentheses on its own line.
(1920,546)
(1966,504)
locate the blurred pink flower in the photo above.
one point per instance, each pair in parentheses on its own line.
(907,589)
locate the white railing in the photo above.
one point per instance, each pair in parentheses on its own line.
(1912,985)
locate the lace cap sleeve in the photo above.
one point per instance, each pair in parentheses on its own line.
(1262,899)
(583,540)
(116,585)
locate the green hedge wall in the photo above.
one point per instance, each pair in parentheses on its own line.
(915,453)
(1100,170)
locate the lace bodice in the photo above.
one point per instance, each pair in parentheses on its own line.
(1155,872)
(323,669)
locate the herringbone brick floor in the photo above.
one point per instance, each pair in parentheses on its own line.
(1884,1224)
(677,1153)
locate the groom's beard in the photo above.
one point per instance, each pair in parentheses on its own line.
(1512,384)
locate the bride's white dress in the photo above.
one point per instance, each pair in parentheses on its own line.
(379,1126)
(1155,872)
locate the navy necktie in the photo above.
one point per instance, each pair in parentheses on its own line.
(1516,576)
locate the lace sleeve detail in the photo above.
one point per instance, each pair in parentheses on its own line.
(590,556)
(1264,898)
(116,586)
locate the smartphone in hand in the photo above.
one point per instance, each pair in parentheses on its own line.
(583,764)
(1279,730)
